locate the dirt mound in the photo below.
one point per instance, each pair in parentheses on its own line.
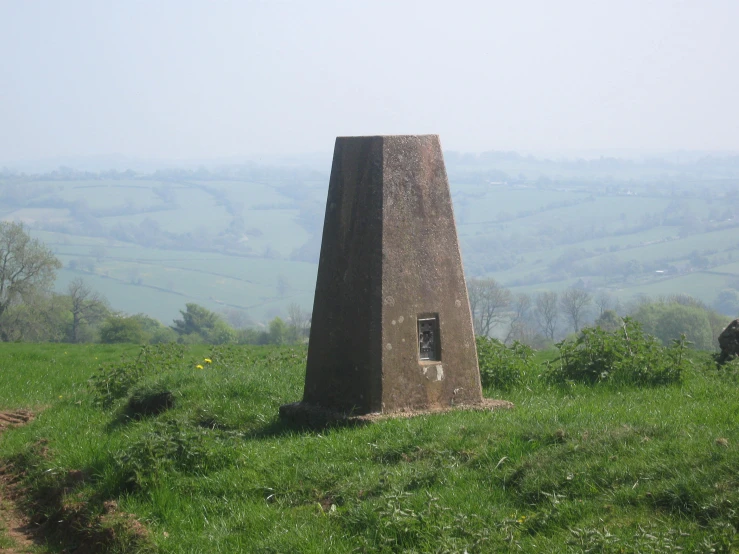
(15,418)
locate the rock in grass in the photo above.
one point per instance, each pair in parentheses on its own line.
(728,340)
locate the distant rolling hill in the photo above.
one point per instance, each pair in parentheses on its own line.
(246,239)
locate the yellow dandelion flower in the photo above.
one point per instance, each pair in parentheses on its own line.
(60,396)
(208,361)
(199,366)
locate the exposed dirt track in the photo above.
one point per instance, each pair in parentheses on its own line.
(72,527)
(15,535)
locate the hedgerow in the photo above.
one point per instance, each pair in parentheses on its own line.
(623,356)
(113,381)
(502,367)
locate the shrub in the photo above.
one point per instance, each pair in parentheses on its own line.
(163,335)
(608,321)
(625,356)
(221,333)
(192,338)
(668,320)
(118,329)
(172,446)
(199,325)
(114,381)
(501,366)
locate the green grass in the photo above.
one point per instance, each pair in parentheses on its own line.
(479,204)
(170,279)
(725,239)
(105,193)
(701,285)
(35,375)
(574,468)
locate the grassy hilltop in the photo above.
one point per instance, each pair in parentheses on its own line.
(175,448)
(610,466)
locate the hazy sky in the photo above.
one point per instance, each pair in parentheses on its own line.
(178,80)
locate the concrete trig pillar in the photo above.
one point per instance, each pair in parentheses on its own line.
(391,328)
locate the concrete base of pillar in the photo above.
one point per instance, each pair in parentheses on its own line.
(300,414)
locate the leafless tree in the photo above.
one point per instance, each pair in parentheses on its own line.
(521,319)
(298,320)
(574,304)
(604,301)
(489,303)
(87,307)
(546,313)
(238,319)
(636,302)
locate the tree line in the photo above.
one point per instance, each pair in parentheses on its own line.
(541,318)
(30,311)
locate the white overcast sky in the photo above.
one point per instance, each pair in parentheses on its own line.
(206,79)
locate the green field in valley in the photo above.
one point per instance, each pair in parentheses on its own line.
(247,238)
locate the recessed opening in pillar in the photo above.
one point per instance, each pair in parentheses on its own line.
(429,340)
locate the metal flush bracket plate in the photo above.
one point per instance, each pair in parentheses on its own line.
(428,338)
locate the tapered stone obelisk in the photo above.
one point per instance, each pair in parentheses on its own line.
(391,328)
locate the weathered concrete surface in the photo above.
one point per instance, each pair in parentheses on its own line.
(390,256)
(344,370)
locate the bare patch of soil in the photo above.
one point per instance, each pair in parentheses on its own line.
(72,525)
(16,537)
(15,418)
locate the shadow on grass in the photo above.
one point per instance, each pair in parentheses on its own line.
(281,427)
(55,523)
(140,406)
(277,427)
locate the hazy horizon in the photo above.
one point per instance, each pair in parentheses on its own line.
(258,80)
(321,161)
